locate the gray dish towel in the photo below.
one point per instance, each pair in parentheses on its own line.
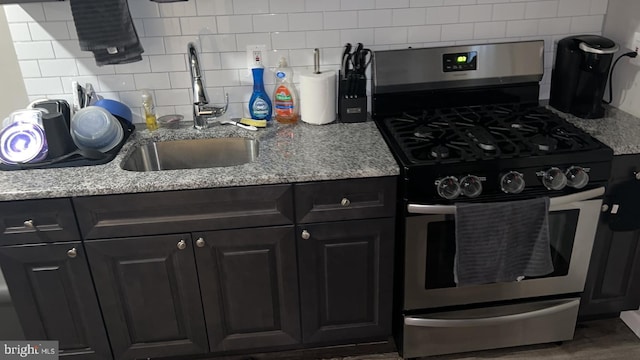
(502,242)
(105,27)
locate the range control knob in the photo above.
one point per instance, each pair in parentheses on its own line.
(448,187)
(512,182)
(471,186)
(554,179)
(577,177)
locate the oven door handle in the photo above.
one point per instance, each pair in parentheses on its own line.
(553,202)
(488,321)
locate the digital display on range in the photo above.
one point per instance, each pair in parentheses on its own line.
(460,61)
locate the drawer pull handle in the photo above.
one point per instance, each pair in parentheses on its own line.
(182,245)
(29,224)
(72,253)
(345,202)
(306,235)
(200,242)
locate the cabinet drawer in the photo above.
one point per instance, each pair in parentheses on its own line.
(345,199)
(37,221)
(184,211)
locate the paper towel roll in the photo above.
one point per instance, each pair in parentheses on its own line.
(318,98)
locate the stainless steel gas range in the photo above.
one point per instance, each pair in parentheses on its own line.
(465,125)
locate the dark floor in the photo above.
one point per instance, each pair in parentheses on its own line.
(595,340)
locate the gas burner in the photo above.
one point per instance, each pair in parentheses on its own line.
(482,138)
(544,143)
(423,132)
(440,152)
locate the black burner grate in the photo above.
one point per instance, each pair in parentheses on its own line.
(484,132)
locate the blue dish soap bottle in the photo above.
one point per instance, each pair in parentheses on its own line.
(259,105)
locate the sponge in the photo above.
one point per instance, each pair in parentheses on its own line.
(256,123)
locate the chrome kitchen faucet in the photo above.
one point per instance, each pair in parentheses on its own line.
(201,112)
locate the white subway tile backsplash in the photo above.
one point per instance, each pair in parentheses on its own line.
(443,15)
(58,67)
(323,39)
(49,30)
(510,11)
(116,82)
(289,40)
(425,33)
(519,28)
(57,11)
(144,9)
(452,32)
(19,31)
(324,5)
(541,9)
(340,20)
(161,26)
(43,86)
(29,68)
(24,12)
(164,63)
(475,13)
(404,17)
(286,6)
(34,50)
(82,80)
(133,99)
(587,24)
(45,38)
(354,36)
(357,4)
(218,43)
(178,9)
(270,22)
(234,24)
(573,7)
(375,18)
(135,67)
(250,6)
(173,97)
(198,25)
(390,36)
(153,45)
(152,81)
(306,21)
(214,7)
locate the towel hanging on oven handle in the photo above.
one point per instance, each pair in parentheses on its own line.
(556,201)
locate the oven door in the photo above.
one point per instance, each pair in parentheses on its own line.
(430,250)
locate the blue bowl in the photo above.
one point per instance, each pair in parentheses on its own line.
(116,108)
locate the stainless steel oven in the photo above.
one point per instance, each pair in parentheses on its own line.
(430,250)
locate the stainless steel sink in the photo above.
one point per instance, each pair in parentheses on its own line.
(192,154)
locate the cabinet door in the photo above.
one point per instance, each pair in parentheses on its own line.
(53,294)
(249,284)
(346,271)
(613,280)
(148,291)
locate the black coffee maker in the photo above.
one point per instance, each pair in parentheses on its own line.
(580,74)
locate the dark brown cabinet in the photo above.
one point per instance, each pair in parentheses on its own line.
(249,283)
(149,295)
(613,280)
(346,280)
(53,294)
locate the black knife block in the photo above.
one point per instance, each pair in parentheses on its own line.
(352,100)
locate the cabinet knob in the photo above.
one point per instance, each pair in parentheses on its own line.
(305,235)
(182,245)
(200,242)
(72,253)
(605,208)
(29,224)
(345,202)
(637,174)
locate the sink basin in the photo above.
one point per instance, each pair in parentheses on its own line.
(192,154)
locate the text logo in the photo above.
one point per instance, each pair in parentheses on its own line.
(10,350)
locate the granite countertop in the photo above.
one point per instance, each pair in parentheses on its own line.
(287,154)
(618,129)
